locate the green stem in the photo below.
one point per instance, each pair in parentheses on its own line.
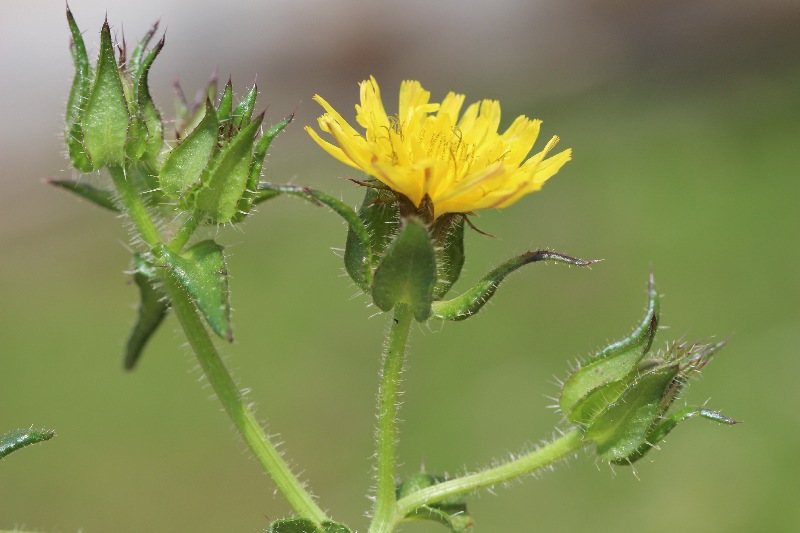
(384,516)
(245,421)
(134,207)
(185,232)
(541,457)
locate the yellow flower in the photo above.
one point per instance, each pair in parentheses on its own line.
(460,163)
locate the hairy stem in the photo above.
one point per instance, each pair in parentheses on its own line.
(133,206)
(541,457)
(384,516)
(243,418)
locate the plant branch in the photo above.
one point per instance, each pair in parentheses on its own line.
(243,418)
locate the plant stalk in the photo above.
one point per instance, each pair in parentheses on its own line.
(546,455)
(384,516)
(133,206)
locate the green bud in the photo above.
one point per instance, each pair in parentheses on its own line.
(215,168)
(110,115)
(225,181)
(621,396)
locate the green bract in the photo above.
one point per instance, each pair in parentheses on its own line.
(621,395)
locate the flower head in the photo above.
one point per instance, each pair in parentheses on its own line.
(427,151)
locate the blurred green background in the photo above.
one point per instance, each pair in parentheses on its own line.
(684,118)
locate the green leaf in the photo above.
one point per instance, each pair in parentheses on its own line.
(78,96)
(101,197)
(202,273)
(407,273)
(613,363)
(467,304)
(16,440)
(448,234)
(186,162)
(220,193)
(665,426)
(106,118)
(334,527)
(624,426)
(293,525)
(367,241)
(152,310)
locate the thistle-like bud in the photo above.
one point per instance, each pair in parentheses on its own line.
(111,118)
(621,396)
(216,166)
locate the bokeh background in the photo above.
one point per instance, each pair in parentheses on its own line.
(684,118)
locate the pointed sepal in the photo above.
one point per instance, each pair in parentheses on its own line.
(106,117)
(467,304)
(244,110)
(252,194)
(407,272)
(153,308)
(225,103)
(78,96)
(448,238)
(187,161)
(148,114)
(202,273)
